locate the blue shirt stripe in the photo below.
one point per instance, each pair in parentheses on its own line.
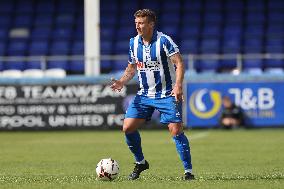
(158,84)
(166,68)
(144,83)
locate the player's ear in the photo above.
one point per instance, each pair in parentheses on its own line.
(152,24)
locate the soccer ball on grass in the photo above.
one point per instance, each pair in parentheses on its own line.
(107,169)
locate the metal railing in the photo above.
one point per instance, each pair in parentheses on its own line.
(189,59)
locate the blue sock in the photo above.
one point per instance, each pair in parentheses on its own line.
(183,149)
(133,141)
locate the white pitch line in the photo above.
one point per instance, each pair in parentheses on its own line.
(199,135)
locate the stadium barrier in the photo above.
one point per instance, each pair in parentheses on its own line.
(260,98)
(63,103)
(86,102)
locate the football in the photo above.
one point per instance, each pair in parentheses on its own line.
(107,169)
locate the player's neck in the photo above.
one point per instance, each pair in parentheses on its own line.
(147,38)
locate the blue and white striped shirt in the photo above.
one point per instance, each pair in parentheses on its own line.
(156,73)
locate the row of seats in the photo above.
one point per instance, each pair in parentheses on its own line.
(35,47)
(42,28)
(201,27)
(75,66)
(33,73)
(56,27)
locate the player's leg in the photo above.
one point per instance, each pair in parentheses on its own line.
(133,138)
(183,148)
(171,114)
(137,113)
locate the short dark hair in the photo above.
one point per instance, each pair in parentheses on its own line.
(151,15)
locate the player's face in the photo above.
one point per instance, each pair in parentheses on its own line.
(143,26)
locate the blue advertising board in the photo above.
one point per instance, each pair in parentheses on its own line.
(262,102)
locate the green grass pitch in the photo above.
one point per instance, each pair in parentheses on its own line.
(67,159)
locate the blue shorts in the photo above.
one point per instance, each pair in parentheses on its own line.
(143,107)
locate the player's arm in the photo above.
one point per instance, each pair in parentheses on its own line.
(176,59)
(126,77)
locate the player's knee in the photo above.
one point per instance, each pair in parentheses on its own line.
(175,129)
(127,129)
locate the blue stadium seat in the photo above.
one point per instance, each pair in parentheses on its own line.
(62,33)
(45,6)
(232,5)
(254,30)
(121,47)
(255,17)
(42,33)
(169,18)
(38,47)
(189,18)
(78,34)
(253,45)
(17,48)
(233,31)
(63,64)
(7,6)
(187,31)
(107,32)
(5,21)
(120,65)
(77,66)
(129,6)
(2,48)
(106,47)
(78,47)
(231,45)
(124,32)
(108,20)
(216,5)
(190,45)
(26,7)
(1,65)
(150,4)
(252,63)
(66,19)
(210,45)
(3,33)
(212,30)
(106,65)
(23,20)
(14,65)
(33,65)
(192,5)
(109,6)
(44,20)
(66,6)
(59,48)
(275,45)
(126,20)
(276,5)
(209,65)
(274,63)
(213,17)
(169,6)
(275,30)
(234,17)
(253,5)
(227,65)
(275,16)
(171,30)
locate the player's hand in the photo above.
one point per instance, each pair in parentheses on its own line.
(116,85)
(177,92)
